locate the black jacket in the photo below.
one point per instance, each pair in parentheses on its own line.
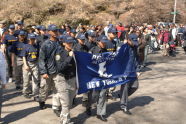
(90,44)
(81,48)
(65,63)
(47,62)
(97,49)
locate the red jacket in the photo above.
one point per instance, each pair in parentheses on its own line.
(120,29)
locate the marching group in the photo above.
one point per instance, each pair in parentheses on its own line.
(40,59)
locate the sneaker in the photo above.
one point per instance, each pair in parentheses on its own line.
(84,103)
(36,98)
(88,111)
(57,112)
(27,96)
(138,74)
(102,118)
(61,122)
(74,101)
(18,87)
(126,111)
(42,105)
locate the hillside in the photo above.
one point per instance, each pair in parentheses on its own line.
(91,11)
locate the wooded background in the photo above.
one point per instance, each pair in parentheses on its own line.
(91,11)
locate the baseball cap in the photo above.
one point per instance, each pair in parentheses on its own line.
(69,39)
(43,28)
(31,36)
(38,27)
(82,37)
(92,34)
(103,39)
(21,33)
(112,30)
(11,27)
(52,28)
(110,25)
(20,23)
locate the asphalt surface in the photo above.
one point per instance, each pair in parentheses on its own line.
(160,99)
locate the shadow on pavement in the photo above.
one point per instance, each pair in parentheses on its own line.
(140,101)
(115,107)
(19,114)
(23,102)
(150,63)
(146,69)
(77,101)
(7,97)
(135,102)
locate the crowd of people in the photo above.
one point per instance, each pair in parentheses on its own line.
(40,59)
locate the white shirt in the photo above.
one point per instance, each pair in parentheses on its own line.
(174,33)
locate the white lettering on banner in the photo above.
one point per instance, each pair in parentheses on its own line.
(109,82)
(97,57)
(102,70)
(120,79)
(93,84)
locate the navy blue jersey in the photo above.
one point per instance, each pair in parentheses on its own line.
(111,46)
(31,52)
(17,48)
(90,44)
(9,40)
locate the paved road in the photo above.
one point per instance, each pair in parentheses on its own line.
(160,99)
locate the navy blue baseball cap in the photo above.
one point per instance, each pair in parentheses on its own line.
(21,33)
(110,25)
(73,30)
(11,27)
(43,28)
(20,23)
(69,39)
(82,37)
(62,36)
(31,36)
(103,39)
(112,30)
(52,28)
(92,34)
(38,27)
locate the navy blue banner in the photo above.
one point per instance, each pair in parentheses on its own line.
(102,71)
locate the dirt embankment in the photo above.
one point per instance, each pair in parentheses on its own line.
(90,11)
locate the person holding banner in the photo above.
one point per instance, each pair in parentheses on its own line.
(129,88)
(82,47)
(112,46)
(67,68)
(50,78)
(100,95)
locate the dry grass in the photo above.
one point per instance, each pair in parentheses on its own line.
(90,11)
